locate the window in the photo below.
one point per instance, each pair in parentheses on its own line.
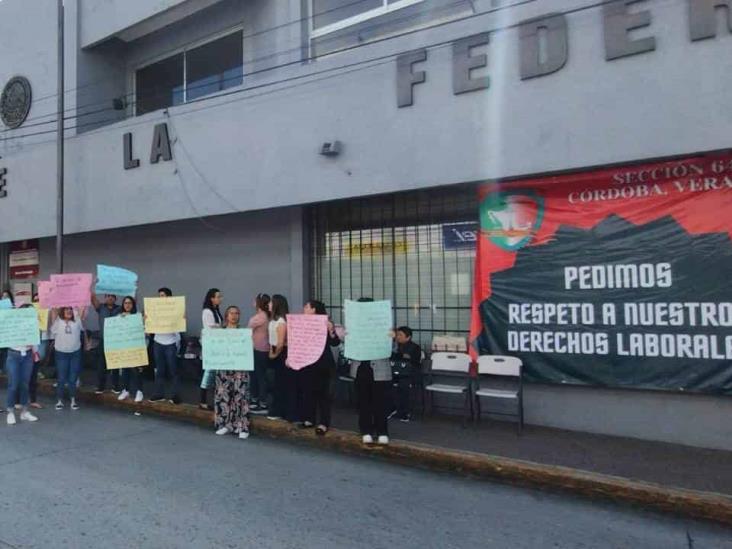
(194,73)
(340,24)
(416,249)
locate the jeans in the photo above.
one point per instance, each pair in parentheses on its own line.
(68,366)
(131,380)
(166,363)
(18,369)
(372,397)
(260,381)
(102,371)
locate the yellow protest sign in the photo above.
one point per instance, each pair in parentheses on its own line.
(165,315)
(42,317)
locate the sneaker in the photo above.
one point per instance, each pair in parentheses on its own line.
(99,392)
(223,431)
(260,411)
(367,439)
(392,414)
(25,415)
(123,395)
(157,398)
(273,418)
(59,405)
(11,417)
(74,405)
(383,440)
(244,435)
(138,396)
(405,419)
(307,425)
(116,391)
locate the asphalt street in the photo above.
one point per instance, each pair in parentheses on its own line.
(102,478)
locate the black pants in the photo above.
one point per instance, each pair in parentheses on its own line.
(102,371)
(260,385)
(372,396)
(285,389)
(314,381)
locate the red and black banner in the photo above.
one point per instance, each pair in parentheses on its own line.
(619,277)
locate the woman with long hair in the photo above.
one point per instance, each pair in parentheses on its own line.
(315,379)
(210,318)
(231,399)
(19,367)
(285,388)
(131,377)
(261,385)
(66,326)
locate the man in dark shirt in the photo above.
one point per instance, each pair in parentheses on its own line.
(106,310)
(407,359)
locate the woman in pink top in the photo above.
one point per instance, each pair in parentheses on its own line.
(260,384)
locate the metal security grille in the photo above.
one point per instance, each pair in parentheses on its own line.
(414,248)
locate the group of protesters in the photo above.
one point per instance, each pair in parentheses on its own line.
(272,389)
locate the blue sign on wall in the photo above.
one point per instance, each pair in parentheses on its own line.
(460,235)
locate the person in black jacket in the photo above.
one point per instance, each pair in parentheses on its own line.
(315,379)
(407,358)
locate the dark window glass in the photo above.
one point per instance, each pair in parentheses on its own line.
(159,85)
(215,66)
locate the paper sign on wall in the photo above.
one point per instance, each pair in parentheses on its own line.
(227,349)
(115,281)
(306,336)
(19,327)
(124,342)
(165,315)
(368,326)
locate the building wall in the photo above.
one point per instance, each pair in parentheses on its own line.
(241,254)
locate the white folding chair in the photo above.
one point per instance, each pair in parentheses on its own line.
(496,366)
(450,365)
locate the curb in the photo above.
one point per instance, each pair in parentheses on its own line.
(695,504)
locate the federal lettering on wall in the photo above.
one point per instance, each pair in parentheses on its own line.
(617,277)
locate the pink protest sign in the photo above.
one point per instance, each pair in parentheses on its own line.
(67,290)
(306,335)
(45,291)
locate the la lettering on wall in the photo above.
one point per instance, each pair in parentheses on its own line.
(616,277)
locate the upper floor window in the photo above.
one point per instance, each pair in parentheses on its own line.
(336,25)
(193,73)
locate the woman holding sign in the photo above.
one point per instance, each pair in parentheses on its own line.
(131,377)
(66,327)
(316,392)
(231,399)
(19,367)
(210,318)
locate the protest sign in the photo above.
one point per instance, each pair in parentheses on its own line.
(306,336)
(227,349)
(165,315)
(42,317)
(124,342)
(19,327)
(6,303)
(115,281)
(66,290)
(368,326)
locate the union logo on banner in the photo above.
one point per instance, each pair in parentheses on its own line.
(509,219)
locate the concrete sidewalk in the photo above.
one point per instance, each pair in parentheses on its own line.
(672,478)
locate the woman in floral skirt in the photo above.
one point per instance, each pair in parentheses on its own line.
(231,400)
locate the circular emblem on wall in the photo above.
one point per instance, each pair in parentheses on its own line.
(15,102)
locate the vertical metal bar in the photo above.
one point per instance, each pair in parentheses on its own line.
(60,144)
(418,200)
